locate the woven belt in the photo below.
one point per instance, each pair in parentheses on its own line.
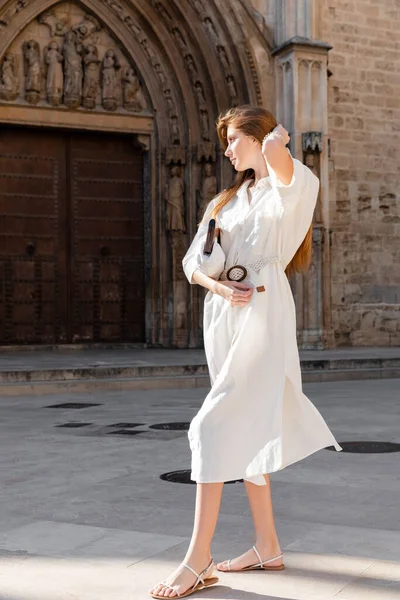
(257,265)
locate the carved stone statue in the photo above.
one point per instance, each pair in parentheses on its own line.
(33,71)
(175,133)
(160,74)
(232,87)
(205,125)
(110,82)
(174,194)
(86,27)
(9,81)
(179,39)
(170,103)
(198,4)
(208,190)
(55,78)
(57,26)
(211,30)
(223,58)
(73,70)
(200,96)
(148,50)
(133,94)
(91,80)
(191,67)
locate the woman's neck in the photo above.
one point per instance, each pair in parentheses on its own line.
(260,171)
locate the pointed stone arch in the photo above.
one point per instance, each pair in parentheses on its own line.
(194,59)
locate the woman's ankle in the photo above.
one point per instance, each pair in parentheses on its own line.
(268,544)
(198,557)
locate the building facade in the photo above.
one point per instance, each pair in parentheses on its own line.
(109,154)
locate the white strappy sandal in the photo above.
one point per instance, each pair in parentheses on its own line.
(258,566)
(201,582)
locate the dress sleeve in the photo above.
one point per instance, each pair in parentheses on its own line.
(194,258)
(298,200)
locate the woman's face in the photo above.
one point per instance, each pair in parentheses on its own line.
(243,151)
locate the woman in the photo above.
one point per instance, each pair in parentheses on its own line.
(256,419)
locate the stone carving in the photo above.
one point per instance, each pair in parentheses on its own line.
(206,151)
(148,50)
(232,89)
(9,80)
(110,80)
(175,155)
(174,127)
(14,9)
(199,6)
(208,190)
(162,11)
(223,58)
(169,102)
(205,125)
(174,195)
(55,77)
(312,161)
(254,74)
(160,74)
(155,60)
(33,71)
(191,67)
(133,96)
(201,101)
(204,120)
(179,40)
(312,140)
(209,25)
(72,51)
(57,26)
(86,27)
(91,79)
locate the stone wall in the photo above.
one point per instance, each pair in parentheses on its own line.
(364,129)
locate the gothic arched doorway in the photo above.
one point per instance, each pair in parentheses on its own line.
(156,73)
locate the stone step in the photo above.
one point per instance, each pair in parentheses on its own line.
(100,372)
(168,377)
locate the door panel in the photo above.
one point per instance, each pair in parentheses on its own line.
(33,237)
(72,255)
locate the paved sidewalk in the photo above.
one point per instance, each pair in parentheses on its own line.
(84,514)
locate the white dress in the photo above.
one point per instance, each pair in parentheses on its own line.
(255,419)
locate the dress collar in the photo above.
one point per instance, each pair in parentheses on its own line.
(263,183)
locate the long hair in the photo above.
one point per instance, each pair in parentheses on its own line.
(255,122)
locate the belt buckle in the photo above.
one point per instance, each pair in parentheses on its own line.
(236,273)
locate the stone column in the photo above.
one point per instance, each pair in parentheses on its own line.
(301,101)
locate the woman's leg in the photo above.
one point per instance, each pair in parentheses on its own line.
(266,542)
(198,556)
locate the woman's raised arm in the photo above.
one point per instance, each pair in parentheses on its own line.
(277,155)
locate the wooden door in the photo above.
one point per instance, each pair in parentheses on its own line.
(71,233)
(33,233)
(107,239)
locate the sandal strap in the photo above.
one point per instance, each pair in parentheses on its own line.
(258,555)
(264,562)
(199,576)
(171,587)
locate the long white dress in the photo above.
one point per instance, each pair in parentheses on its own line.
(255,419)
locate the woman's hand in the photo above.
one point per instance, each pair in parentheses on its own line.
(281,134)
(237,294)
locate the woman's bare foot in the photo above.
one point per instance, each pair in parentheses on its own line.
(182,578)
(250,558)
